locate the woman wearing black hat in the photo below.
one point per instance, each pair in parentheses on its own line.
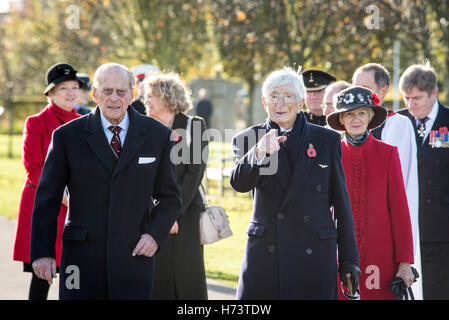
(62,92)
(376,190)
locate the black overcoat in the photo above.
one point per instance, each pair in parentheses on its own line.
(433,217)
(109,206)
(291,250)
(179,267)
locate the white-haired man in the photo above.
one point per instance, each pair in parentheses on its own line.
(295,173)
(112,162)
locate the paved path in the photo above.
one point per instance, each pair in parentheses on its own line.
(14,283)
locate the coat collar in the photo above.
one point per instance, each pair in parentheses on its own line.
(100,146)
(292,179)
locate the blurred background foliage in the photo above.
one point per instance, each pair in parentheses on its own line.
(233,39)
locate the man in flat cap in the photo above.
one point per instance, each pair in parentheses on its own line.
(316,82)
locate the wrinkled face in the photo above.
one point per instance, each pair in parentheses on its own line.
(113,96)
(65,94)
(314,100)
(356,121)
(282,105)
(419,103)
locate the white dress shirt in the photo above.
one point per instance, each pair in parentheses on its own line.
(124,124)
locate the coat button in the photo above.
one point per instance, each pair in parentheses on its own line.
(428,201)
(438,161)
(280,216)
(309,251)
(306,218)
(271,249)
(429,181)
(318,188)
(264,183)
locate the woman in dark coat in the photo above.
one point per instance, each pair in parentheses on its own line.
(62,92)
(179,267)
(376,190)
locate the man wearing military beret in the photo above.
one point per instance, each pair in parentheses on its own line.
(316,82)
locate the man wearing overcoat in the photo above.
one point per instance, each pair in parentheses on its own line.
(115,163)
(294,171)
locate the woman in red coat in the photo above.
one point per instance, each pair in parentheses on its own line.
(376,190)
(62,91)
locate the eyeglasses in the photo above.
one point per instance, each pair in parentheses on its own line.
(120,92)
(287,98)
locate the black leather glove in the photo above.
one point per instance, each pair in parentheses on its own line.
(353,269)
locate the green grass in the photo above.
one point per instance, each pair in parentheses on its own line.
(222,259)
(12,176)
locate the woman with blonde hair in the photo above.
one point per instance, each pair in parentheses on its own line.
(179,267)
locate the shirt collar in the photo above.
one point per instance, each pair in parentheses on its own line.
(123,124)
(433,114)
(285,130)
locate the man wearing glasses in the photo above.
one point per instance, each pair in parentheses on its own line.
(113,161)
(291,250)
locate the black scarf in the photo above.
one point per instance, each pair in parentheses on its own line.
(359,140)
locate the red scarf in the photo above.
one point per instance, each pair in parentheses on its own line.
(62,115)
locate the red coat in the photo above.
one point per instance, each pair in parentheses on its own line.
(381,216)
(36,140)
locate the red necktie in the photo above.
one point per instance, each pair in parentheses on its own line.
(115,141)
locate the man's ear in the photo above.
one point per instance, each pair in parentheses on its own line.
(265,105)
(383,92)
(300,104)
(94,93)
(434,94)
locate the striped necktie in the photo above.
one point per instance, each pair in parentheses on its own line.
(115,141)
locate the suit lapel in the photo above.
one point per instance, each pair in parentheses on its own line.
(301,162)
(97,140)
(133,141)
(283,174)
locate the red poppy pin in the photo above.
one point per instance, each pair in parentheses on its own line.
(311,152)
(176,136)
(376,100)
(443,130)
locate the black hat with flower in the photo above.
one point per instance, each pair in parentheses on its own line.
(353,98)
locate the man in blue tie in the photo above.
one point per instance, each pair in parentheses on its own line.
(418,85)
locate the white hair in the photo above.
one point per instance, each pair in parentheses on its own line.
(282,77)
(106,68)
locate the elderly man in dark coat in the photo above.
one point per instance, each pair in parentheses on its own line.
(113,162)
(295,173)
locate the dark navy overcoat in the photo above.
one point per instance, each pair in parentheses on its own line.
(291,250)
(110,206)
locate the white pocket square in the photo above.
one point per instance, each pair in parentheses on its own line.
(323,165)
(145,160)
